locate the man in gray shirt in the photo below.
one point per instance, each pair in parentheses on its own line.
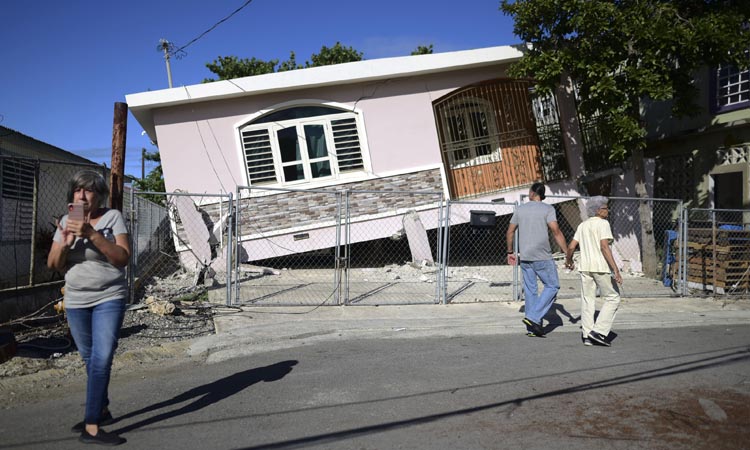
(532,220)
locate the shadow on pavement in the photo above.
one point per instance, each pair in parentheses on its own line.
(210,393)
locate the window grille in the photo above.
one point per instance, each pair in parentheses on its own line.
(488,138)
(17,192)
(348,149)
(259,157)
(732,86)
(547,117)
(470,129)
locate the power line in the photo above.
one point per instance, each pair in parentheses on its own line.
(247,2)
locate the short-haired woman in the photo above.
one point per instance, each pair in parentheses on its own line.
(94,253)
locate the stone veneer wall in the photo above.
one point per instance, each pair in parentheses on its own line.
(293,209)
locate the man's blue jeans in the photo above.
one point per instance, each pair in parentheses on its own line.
(95,331)
(538,304)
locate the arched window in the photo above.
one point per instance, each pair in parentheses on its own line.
(471,132)
(301,144)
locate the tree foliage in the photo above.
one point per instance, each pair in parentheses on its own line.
(621,52)
(154,181)
(338,54)
(228,67)
(422,50)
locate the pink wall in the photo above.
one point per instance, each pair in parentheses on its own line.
(200,149)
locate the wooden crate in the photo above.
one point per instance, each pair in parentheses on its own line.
(718,258)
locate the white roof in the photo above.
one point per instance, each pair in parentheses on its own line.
(142,104)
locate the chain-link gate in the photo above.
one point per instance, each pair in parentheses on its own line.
(334,247)
(476,267)
(392,248)
(643,258)
(180,245)
(716,256)
(289,244)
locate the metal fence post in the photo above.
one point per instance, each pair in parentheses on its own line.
(133,264)
(517,276)
(230,245)
(337,251)
(347,244)
(443,242)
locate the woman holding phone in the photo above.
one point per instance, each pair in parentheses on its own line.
(91,245)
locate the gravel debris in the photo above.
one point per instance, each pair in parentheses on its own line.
(46,355)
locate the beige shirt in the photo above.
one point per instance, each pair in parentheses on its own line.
(589,236)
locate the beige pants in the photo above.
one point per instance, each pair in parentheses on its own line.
(609,293)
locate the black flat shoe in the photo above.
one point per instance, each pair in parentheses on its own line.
(105,419)
(101,438)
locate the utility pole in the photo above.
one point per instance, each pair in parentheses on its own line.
(143,163)
(165,45)
(117,173)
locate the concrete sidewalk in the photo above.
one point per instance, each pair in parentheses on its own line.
(254,330)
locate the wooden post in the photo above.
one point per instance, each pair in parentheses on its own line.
(117,174)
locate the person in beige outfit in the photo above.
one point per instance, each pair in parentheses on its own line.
(598,270)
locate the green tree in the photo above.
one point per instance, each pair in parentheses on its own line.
(338,54)
(289,64)
(620,53)
(422,50)
(229,67)
(154,181)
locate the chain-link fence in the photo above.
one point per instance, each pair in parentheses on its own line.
(641,256)
(716,252)
(333,247)
(180,246)
(289,246)
(358,247)
(476,267)
(34,197)
(392,247)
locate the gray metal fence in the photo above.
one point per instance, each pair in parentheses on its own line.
(33,198)
(271,246)
(335,247)
(715,256)
(392,248)
(641,256)
(476,268)
(181,246)
(288,246)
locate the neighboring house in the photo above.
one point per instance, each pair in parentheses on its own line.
(705,160)
(449,122)
(34,177)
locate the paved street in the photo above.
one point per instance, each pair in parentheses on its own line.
(682,387)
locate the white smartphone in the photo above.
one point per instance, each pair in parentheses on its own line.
(75,211)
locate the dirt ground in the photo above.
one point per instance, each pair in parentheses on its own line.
(46,356)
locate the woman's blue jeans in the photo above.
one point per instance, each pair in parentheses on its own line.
(537,304)
(95,331)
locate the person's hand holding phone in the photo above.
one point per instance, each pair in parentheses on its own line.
(75,212)
(77,223)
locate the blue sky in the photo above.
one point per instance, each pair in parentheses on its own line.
(66,63)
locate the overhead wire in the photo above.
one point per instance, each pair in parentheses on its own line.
(226,164)
(247,2)
(208,156)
